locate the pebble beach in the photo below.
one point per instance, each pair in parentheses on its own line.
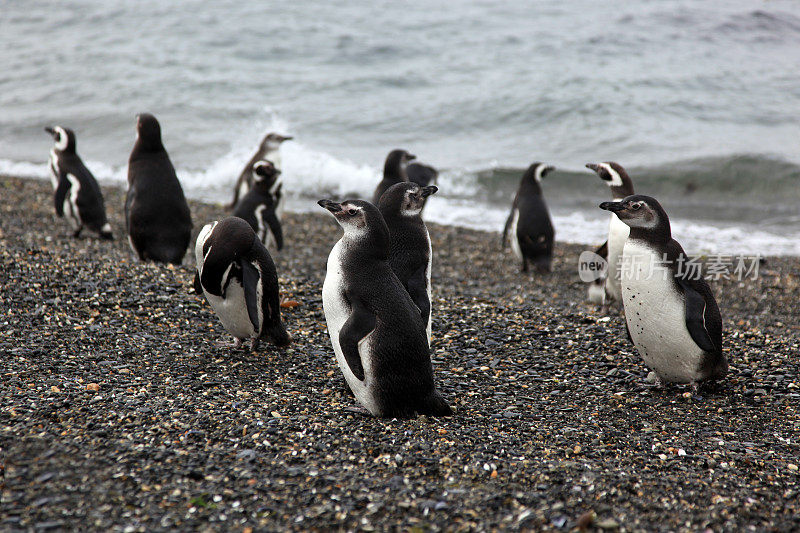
(121,412)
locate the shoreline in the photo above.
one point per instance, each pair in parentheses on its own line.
(123,412)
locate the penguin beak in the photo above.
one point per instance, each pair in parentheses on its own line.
(427,191)
(614,207)
(330,205)
(593,166)
(410,157)
(547,170)
(277,172)
(286,138)
(50,130)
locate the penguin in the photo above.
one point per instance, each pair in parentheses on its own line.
(410,244)
(157,217)
(621,186)
(529,225)
(269,150)
(77,195)
(394,171)
(671,313)
(257,207)
(377,332)
(238,278)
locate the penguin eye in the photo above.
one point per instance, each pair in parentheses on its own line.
(351,212)
(636,206)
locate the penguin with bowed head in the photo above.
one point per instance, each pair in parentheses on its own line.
(269,150)
(529,226)
(157,216)
(238,278)
(77,195)
(257,207)
(621,186)
(394,171)
(671,313)
(410,244)
(377,332)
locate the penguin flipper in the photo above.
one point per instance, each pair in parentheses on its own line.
(358,326)
(61,194)
(251,277)
(695,316)
(504,241)
(418,290)
(274,224)
(198,287)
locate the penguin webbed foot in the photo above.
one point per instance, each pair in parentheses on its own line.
(254,342)
(696,391)
(235,344)
(358,410)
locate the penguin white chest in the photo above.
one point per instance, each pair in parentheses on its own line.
(513,234)
(71,202)
(232,310)
(617,236)
(54,169)
(337,311)
(656,315)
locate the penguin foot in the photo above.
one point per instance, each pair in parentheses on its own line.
(236,344)
(696,391)
(358,411)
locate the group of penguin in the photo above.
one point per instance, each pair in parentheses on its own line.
(377,289)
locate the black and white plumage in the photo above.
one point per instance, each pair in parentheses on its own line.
(157,217)
(671,314)
(529,227)
(621,186)
(77,195)
(258,206)
(238,278)
(268,150)
(377,332)
(410,249)
(394,171)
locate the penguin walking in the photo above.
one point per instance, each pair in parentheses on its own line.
(77,195)
(257,207)
(671,313)
(621,186)
(239,280)
(269,150)
(157,216)
(410,244)
(376,330)
(394,171)
(529,226)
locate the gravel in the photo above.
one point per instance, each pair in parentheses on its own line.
(120,411)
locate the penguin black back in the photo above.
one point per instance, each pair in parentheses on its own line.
(394,171)
(529,226)
(157,215)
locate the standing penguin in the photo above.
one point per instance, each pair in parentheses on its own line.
(77,195)
(376,329)
(671,313)
(410,243)
(621,186)
(529,225)
(156,213)
(269,150)
(257,207)
(239,279)
(394,171)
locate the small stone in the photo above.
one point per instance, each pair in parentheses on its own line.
(93,387)
(585,520)
(793,467)
(608,523)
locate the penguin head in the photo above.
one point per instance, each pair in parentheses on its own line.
(615,177)
(264,171)
(148,132)
(396,162)
(218,245)
(640,212)
(537,171)
(63,137)
(405,199)
(273,140)
(361,221)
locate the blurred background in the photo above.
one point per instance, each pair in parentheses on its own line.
(699,102)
